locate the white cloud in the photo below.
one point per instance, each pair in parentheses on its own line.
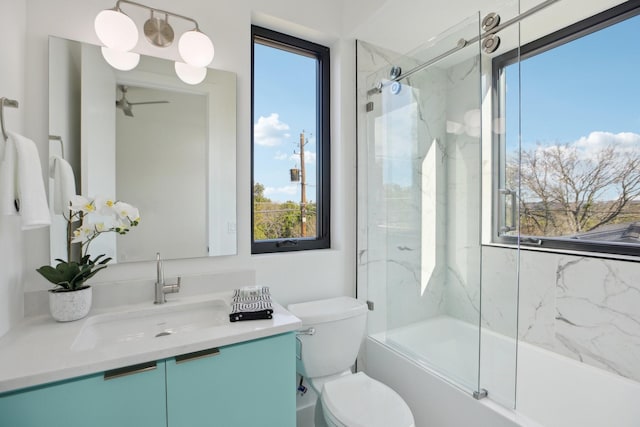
(624,142)
(270,131)
(281,156)
(588,147)
(286,190)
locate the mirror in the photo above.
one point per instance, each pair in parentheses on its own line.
(146,138)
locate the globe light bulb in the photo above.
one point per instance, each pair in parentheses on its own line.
(190,74)
(196,48)
(116,30)
(119,60)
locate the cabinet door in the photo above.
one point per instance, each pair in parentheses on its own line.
(128,397)
(242,385)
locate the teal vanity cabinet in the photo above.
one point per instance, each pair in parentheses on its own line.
(245,384)
(129,397)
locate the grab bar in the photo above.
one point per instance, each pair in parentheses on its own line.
(6,102)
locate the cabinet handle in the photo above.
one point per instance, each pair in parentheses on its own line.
(129,370)
(197,355)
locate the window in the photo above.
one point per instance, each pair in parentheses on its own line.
(569,159)
(290,143)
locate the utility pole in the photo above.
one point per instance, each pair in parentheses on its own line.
(303,190)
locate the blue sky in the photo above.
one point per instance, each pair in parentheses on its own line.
(284,106)
(584,90)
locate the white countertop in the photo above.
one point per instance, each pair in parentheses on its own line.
(39,350)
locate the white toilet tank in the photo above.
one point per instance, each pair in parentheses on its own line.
(338,331)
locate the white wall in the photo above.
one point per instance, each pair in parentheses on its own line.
(12,85)
(294,276)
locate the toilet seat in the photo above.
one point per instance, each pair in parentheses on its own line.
(359,401)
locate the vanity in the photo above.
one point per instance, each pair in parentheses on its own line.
(179,364)
(137,364)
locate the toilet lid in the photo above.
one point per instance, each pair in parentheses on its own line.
(359,401)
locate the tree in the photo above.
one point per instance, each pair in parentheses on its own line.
(258,193)
(273,220)
(258,217)
(565,191)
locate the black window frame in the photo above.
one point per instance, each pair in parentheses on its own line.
(293,44)
(565,35)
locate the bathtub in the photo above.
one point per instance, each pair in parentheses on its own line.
(552,390)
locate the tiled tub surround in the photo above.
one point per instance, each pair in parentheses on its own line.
(584,308)
(40,350)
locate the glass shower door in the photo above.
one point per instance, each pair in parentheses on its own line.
(423,192)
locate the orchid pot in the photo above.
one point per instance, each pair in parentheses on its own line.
(66,306)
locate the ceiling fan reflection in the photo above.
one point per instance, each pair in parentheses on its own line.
(126,106)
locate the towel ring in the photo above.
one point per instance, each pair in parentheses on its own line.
(6,102)
(58,138)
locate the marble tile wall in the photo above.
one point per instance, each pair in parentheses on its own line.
(463,191)
(584,308)
(419,254)
(393,240)
(590,311)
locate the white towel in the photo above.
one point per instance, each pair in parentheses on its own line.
(7,177)
(24,186)
(64,184)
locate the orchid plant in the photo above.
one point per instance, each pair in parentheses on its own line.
(96,216)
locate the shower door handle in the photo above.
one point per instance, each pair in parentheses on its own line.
(512,193)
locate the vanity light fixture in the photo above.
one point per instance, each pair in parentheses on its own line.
(120,60)
(119,34)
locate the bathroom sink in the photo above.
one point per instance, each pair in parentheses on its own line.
(153,323)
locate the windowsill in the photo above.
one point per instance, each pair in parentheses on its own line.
(585,254)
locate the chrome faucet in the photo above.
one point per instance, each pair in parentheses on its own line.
(161,289)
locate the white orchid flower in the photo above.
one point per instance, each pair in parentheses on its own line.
(82,234)
(99,215)
(89,230)
(105,205)
(126,211)
(99,227)
(82,204)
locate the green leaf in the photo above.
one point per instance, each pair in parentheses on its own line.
(51,274)
(72,275)
(95,270)
(104,261)
(95,260)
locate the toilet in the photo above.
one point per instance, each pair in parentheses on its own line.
(328,343)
